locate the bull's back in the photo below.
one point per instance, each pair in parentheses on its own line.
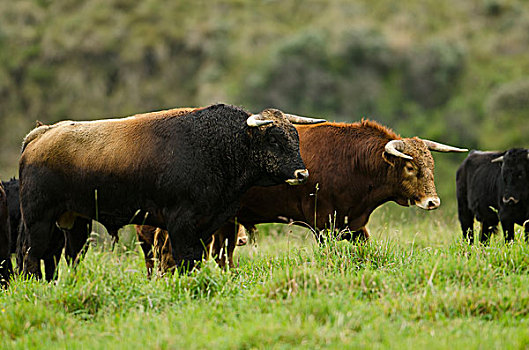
(113,147)
(112,166)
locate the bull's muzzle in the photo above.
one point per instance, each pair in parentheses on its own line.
(300,176)
(242,240)
(511,200)
(429,203)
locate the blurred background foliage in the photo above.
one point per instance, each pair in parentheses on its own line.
(452,71)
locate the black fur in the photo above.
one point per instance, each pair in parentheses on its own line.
(6,268)
(11,188)
(484,189)
(205,161)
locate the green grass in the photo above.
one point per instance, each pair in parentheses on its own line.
(414,285)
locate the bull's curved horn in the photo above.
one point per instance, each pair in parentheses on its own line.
(497,160)
(296,119)
(394,147)
(439,147)
(253,120)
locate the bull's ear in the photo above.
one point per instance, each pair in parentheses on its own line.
(497,160)
(386,159)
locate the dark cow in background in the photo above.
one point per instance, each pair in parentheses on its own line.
(494,187)
(6,268)
(183,171)
(357,167)
(13,205)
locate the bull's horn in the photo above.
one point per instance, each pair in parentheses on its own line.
(439,147)
(394,147)
(497,160)
(253,120)
(296,119)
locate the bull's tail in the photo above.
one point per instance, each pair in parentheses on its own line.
(33,134)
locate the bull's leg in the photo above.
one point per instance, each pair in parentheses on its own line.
(22,247)
(77,240)
(39,237)
(148,255)
(508,230)
(163,252)
(361,235)
(223,244)
(50,267)
(166,260)
(53,256)
(6,268)
(466,219)
(488,227)
(146,236)
(526,230)
(186,245)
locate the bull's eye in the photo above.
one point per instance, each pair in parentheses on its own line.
(409,169)
(273,141)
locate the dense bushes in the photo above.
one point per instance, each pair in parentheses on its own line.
(441,71)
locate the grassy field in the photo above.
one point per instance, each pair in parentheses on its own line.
(415,285)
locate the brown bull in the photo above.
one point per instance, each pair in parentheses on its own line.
(356,167)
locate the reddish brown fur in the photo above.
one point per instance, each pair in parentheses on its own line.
(353,173)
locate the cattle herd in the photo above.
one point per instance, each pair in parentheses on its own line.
(191,178)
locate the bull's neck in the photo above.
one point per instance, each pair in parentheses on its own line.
(374,178)
(223,140)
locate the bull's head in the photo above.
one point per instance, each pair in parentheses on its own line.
(412,166)
(514,175)
(276,146)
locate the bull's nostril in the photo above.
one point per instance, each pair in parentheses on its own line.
(301,175)
(433,203)
(510,200)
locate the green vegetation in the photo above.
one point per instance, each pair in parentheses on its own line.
(415,285)
(454,71)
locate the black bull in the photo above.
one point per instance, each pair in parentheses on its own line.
(5,256)
(180,170)
(494,187)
